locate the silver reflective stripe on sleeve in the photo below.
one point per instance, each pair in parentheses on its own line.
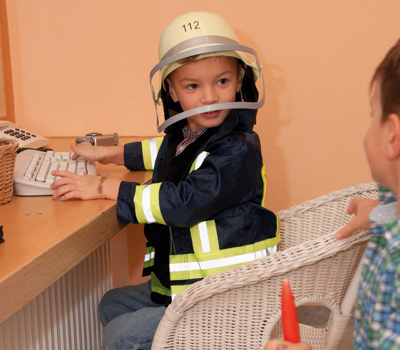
(153,151)
(200,159)
(146,203)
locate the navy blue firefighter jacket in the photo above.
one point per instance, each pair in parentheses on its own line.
(204,210)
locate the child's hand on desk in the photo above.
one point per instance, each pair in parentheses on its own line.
(84,187)
(101,154)
(87,151)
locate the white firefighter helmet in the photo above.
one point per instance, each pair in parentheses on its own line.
(200,35)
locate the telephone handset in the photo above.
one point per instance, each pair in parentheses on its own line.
(26,139)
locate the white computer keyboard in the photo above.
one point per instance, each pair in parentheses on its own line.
(32,173)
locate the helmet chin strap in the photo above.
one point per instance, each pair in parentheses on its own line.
(209,108)
(213,107)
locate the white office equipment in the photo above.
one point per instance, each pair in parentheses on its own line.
(26,139)
(32,174)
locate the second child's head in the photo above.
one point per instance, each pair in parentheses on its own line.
(203,72)
(382,139)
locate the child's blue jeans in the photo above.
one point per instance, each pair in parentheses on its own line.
(129,317)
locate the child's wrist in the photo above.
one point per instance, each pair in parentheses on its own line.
(108,187)
(112,154)
(100,186)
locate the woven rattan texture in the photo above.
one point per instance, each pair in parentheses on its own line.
(8,153)
(240,308)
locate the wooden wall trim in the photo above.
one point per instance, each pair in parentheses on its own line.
(7,111)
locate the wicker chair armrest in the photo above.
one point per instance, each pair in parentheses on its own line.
(363,190)
(276,264)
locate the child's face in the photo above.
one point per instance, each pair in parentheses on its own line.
(374,140)
(203,82)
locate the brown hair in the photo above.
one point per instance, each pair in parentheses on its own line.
(387,74)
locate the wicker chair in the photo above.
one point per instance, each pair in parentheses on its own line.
(240,308)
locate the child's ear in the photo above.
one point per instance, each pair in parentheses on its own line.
(394,136)
(172,91)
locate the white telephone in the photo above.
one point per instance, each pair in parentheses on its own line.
(26,139)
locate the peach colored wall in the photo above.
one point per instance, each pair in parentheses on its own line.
(81,66)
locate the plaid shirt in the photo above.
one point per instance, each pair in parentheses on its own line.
(377,311)
(189,137)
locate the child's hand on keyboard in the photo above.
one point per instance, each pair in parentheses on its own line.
(71,186)
(101,154)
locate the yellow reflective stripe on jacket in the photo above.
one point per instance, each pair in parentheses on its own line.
(204,237)
(265,185)
(150,150)
(149,257)
(157,287)
(177,289)
(193,269)
(198,161)
(147,204)
(193,266)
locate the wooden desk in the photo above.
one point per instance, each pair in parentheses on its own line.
(45,238)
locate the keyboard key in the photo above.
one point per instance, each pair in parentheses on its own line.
(50,178)
(63,165)
(72,166)
(44,169)
(49,155)
(91,169)
(32,166)
(81,168)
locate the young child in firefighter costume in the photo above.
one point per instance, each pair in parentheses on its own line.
(204,211)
